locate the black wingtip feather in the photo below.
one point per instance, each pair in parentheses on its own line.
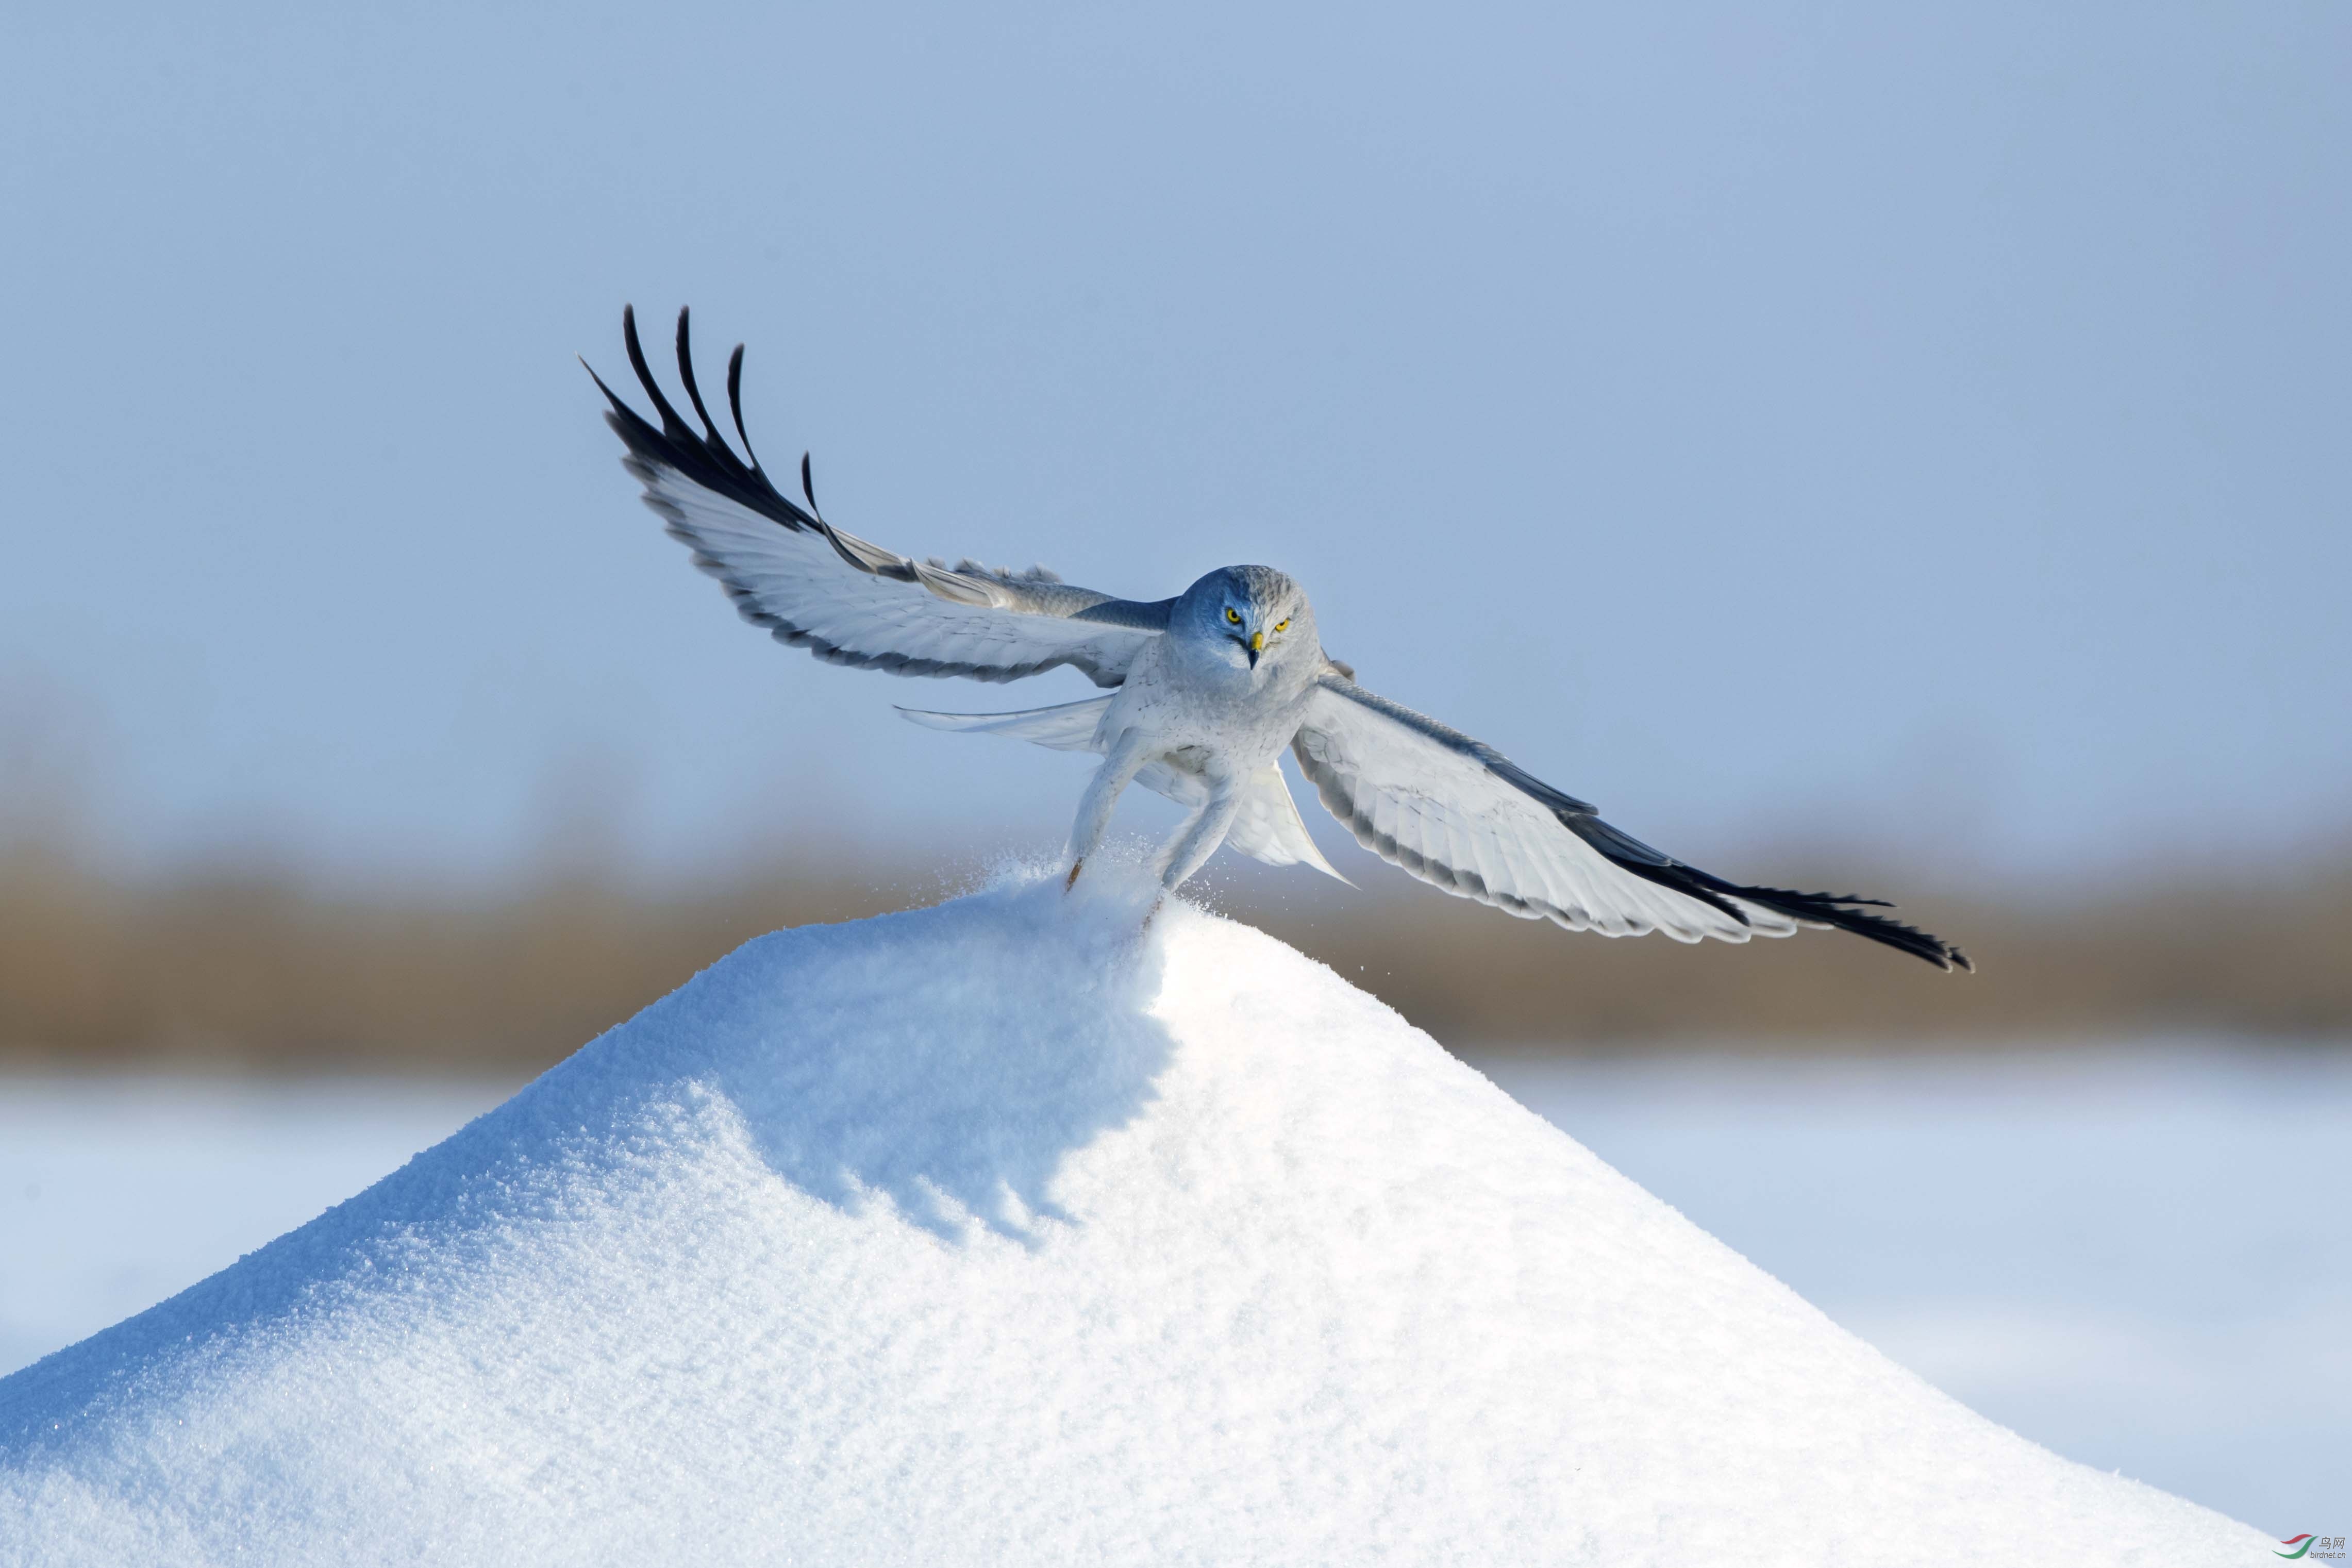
(694,394)
(671,425)
(610,396)
(1831,911)
(735,406)
(705,458)
(1835,910)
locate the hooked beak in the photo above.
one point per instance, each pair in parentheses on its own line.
(1256,646)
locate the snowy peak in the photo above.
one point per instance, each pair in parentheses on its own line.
(1007,1232)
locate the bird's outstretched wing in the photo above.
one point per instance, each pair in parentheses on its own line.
(1456,812)
(846,600)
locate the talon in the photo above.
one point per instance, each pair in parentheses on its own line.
(1072,879)
(1151,914)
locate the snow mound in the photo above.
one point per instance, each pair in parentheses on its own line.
(997,1233)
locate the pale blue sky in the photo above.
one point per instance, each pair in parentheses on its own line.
(1920,425)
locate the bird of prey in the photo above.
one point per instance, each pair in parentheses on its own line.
(1204,691)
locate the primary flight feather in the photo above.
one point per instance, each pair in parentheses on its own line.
(1205,689)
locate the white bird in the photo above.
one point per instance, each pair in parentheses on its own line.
(1205,691)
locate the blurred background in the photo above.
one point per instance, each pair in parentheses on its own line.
(1894,448)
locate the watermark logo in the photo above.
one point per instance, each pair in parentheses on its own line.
(2323,1548)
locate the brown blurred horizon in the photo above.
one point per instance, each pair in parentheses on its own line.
(258,967)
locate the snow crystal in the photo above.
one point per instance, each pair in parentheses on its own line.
(1004,1233)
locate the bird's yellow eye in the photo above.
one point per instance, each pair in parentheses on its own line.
(1232,616)
(1283,625)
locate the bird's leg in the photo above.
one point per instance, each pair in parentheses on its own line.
(1201,833)
(1126,757)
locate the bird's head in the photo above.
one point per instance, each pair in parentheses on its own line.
(1252,616)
